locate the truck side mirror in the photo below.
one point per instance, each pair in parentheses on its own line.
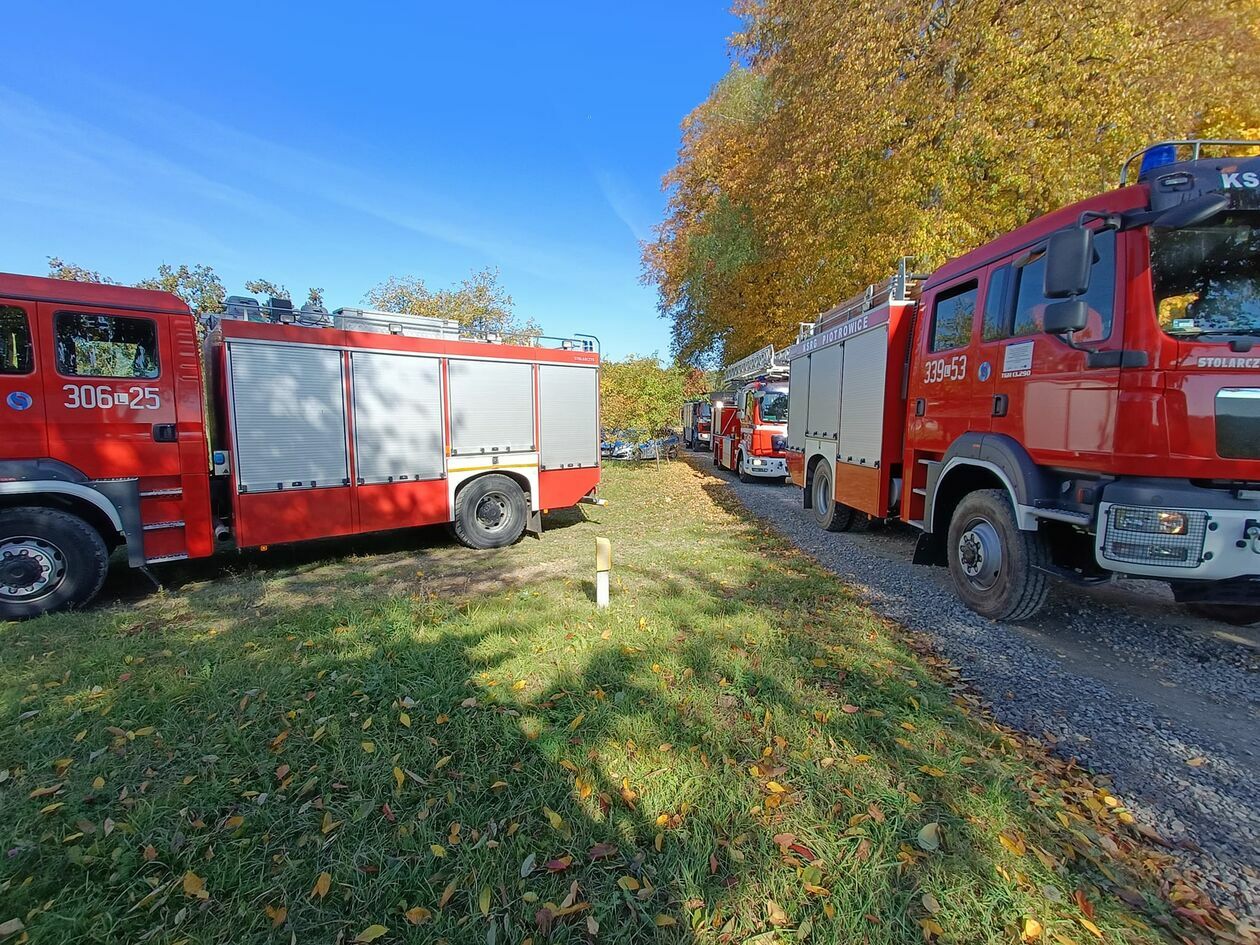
(1069,256)
(1063,318)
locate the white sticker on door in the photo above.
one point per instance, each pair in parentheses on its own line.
(1017,359)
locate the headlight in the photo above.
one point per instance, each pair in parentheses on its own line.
(1152,521)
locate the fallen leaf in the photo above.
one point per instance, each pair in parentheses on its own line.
(446,894)
(1030,929)
(601,851)
(195,886)
(404,720)
(775,914)
(321,887)
(559,864)
(371,933)
(484,900)
(1196,761)
(277,914)
(11,927)
(930,904)
(556,821)
(665,921)
(438,850)
(417,914)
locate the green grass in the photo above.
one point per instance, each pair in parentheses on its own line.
(750,754)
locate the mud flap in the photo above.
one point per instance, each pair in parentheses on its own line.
(534,526)
(929,549)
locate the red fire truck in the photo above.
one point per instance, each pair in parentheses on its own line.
(1078,399)
(130,422)
(750,429)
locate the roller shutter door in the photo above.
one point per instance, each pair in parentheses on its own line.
(397,417)
(288,417)
(798,402)
(862,398)
(492,407)
(569,416)
(826,365)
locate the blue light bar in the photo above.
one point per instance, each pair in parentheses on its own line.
(1158,156)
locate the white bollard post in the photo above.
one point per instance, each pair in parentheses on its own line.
(603,565)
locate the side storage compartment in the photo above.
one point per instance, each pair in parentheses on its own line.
(568,416)
(492,407)
(400,463)
(859,479)
(798,404)
(290,455)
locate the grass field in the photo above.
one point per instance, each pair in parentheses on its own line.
(423,743)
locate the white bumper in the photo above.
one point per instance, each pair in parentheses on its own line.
(1218,544)
(768,466)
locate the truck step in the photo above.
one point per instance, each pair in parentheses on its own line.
(154,493)
(1065,515)
(163,559)
(157,526)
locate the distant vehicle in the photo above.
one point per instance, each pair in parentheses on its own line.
(750,432)
(626,444)
(122,430)
(1078,399)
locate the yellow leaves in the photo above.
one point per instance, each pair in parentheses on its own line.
(775,914)
(47,791)
(442,719)
(438,850)
(774,787)
(399,776)
(279,740)
(665,921)
(446,894)
(404,720)
(1014,844)
(234,822)
(628,794)
(442,762)
(195,886)
(483,900)
(370,934)
(277,914)
(1029,929)
(328,825)
(930,904)
(556,821)
(628,883)
(859,759)
(518,685)
(932,770)
(584,787)
(931,929)
(417,914)
(368,747)
(1089,926)
(321,887)
(576,721)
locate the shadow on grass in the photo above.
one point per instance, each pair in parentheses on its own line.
(734,748)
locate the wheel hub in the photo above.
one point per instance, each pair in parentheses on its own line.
(980,553)
(822,495)
(30,568)
(492,511)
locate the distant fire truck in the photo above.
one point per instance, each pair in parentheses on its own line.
(697,416)
(1078,399)
(123,429)
(750,432)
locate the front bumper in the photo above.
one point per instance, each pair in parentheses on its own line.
(1217,539)
(771,467)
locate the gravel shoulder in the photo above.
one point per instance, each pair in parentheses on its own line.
(1121,678)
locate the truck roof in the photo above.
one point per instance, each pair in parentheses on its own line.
(1111,201)
(41,289)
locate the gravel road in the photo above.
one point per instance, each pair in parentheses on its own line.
(1120,677)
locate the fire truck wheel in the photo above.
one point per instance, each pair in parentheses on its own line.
(1239,615)
(490,512)
(49,560)
(829,513)
(994,564)
(739,468)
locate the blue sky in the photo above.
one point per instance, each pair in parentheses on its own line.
(336,145)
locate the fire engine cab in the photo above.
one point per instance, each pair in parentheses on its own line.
(131,423)
(750,433)
(1079,399)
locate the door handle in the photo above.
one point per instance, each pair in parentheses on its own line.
(1000,404)
(920,407)
(164,433)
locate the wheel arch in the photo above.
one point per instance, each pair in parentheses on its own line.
(811,467)
(986,461)
(76,499)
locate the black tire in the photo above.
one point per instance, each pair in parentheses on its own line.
(995,565)
(739,468)
(828,513)
(490,512)
(63,558)
(1237,615)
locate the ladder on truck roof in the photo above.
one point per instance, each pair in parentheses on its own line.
(902,286)
(762,363)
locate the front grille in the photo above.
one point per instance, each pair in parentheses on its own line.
(1238,423)
(1136,545)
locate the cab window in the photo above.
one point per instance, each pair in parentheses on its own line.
(106,346)
(996,304)
(17,356)
(952,317)
(1030,302)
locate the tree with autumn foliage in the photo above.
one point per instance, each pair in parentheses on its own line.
(850,134)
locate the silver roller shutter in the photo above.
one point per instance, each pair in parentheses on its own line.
(826,365)
(492,407)
(288,417)
(862,398)
(798,402)
(568,400)
(397,417)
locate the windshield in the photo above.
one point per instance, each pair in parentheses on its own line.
(774,407)
(1207,278)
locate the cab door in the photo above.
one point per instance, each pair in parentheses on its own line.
(944,370)
(109,392)
(21,395)
(1048,396)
